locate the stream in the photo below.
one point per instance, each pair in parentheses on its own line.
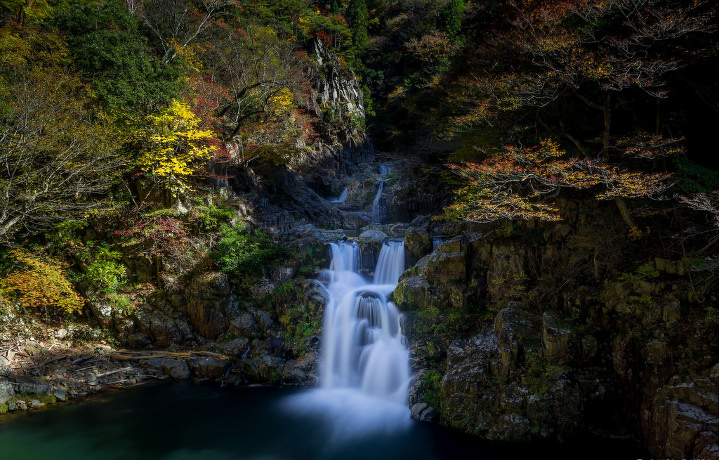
(358,411)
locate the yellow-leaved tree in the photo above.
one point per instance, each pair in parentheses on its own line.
(38,281)
(175,146)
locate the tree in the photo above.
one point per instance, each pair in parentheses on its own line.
(359,20)
(523,183)
(107,46)
(450,18)
(590,50)
(38,281)
(555,57)
(176,24)
(57,159)
(257,68)
(174,146)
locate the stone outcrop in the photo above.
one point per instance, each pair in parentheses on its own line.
(561,335)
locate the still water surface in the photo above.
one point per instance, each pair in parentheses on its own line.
(178,421)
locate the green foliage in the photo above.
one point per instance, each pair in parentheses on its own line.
(24,11)
(432,388)
(43,398)
(105,272)
(450,19)
(211,217)
(436,328)
(242,253)
(107,45)
(59,160)
(3,408)
(644,272)
(693,177)
(359,20)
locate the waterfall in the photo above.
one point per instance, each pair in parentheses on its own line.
(376,209)
(390,264)
(362,343)
(364,361)
(342,198)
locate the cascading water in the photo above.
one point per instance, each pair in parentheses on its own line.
(376,207)
(342,198)
(362,343)
(364,359)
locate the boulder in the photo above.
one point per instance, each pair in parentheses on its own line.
(32,385)
(424,413)
(208,367)
(60,394)
(376,236)
(171,367)
(301,371)
(245,325)
(7,391)
(417,244)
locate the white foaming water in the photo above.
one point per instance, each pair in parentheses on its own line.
(342,198)
(376,208)
(364,360)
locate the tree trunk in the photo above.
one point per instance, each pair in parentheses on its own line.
(624,212)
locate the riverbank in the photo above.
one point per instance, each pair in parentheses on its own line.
(39,372)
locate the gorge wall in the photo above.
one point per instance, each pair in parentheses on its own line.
(523,331)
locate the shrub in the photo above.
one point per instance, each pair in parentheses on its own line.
(40,282)
(241,252)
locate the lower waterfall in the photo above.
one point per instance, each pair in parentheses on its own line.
(364,359)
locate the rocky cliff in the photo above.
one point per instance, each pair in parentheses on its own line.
(559,331)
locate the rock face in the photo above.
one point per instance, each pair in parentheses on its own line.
(552,331)
(490,389)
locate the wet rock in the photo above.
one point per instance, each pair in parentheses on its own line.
(36,403)
(301,371)
(466,403)
(375,236)
(208,367)
(443,267)
(32,385)
(417,244)
(175,368)
(510,427)
(513,327)
(424,413)
(413,293)
(7,391)
(60,394)
(234,347)
(245,325)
